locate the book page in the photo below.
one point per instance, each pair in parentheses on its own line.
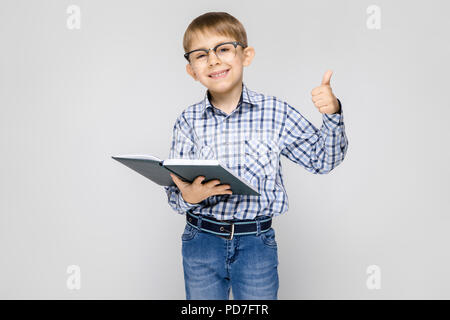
(190,162)
(138,156)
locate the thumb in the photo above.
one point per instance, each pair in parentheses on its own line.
(326,77)
(177,180)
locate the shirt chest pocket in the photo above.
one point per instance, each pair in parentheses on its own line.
(260,159)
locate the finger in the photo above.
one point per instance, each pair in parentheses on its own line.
(216,193)
(322,103)
(223,187)
(199,179)
(318,97)
(213,183)
(327,77)
(321,90)
(317,90)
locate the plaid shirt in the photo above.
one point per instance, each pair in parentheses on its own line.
(249,141)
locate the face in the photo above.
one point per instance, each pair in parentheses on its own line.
(235,67)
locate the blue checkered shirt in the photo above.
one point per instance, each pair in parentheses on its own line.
(249,141)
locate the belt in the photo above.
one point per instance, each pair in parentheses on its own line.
(228,229)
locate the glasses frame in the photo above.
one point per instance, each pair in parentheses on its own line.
(235,43)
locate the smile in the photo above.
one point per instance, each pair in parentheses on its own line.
(220,75)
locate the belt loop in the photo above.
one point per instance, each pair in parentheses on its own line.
(199,222)
(258,227)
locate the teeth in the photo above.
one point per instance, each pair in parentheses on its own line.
(220,74)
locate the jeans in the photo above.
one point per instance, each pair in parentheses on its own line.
(212,265)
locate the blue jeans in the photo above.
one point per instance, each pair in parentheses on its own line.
(212,265)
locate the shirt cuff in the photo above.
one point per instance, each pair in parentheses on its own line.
(181,204)
(333,122)
(184,205)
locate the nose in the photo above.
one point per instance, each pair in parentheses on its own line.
(210,59)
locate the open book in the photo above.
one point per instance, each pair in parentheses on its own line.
(158,171)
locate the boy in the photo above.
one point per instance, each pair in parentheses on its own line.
(228,242)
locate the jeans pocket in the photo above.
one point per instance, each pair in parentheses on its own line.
(189,233)
(268,238)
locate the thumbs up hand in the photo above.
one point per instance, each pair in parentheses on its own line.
(323,97)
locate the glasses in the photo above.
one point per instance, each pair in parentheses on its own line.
(225,51)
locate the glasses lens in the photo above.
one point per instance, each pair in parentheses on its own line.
(225,52)
(198,57)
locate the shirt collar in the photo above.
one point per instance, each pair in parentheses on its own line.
(245,97)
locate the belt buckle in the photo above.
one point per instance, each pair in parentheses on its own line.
(231,234)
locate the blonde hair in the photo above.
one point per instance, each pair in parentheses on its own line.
(220,23)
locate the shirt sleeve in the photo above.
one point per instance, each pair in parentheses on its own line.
(318,151)
(183,147)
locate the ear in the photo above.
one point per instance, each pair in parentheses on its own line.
(248,54)
(191,72)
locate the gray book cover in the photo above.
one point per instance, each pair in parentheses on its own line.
(158,171)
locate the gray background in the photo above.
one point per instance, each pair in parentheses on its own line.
(70,99)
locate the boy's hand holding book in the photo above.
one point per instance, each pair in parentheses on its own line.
(323,97)
(197,191)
